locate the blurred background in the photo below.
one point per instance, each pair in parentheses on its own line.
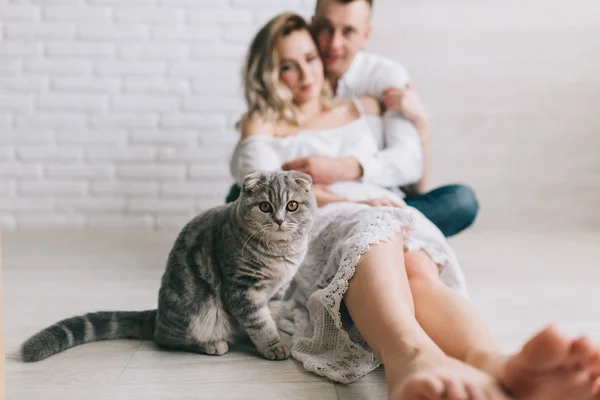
(119,113)
(116,126)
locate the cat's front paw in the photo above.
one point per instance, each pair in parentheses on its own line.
(278,351)
(217,348)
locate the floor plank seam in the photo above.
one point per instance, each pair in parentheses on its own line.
(129,361)
(337,394)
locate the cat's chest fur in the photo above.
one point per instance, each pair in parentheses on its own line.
(277,269)
(283,272)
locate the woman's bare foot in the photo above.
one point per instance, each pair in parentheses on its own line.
(441,378)
(550,366)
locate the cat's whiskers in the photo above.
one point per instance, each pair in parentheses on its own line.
(255,234)
(267,241)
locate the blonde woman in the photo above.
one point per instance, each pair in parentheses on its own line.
(380,284)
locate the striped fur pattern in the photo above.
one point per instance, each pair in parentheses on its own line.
(223,269)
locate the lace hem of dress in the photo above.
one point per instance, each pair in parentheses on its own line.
(320,340)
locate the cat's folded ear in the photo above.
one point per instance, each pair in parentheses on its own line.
(251,181)
(301,179)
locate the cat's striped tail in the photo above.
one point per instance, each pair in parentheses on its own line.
(89,328)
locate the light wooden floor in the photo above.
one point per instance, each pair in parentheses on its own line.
(519,282)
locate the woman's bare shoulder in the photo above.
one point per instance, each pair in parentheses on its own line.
(254,125)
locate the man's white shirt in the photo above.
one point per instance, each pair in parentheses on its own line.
(400,159)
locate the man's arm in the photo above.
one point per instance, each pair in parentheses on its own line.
(421,185)
(409,104)
(403,161)
(400,163)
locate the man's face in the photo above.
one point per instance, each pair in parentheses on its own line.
(342,30)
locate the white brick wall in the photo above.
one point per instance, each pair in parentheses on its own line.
(118,113)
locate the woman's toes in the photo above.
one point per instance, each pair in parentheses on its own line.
(594,374)
(475,392)
(594,363)
(433,386)
(494,393)
(427,386)
(455,390)
(582,353)
(596,387)
(548,349)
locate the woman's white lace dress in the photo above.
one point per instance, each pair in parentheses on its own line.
(323,339)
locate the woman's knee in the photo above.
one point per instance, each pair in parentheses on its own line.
(419,266)
(385,252)
(393,246)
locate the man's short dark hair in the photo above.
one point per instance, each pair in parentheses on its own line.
(369,2)
(350,1)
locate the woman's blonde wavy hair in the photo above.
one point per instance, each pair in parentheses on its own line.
(264,92)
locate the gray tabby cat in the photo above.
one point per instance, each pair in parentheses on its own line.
(224,268)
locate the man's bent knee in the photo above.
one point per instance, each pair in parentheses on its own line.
(234,193)
(466,205)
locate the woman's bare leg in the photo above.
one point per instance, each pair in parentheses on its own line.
(449,319)
(380,304)
(551,366)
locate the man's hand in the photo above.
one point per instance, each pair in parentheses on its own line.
(326,170)
(407,101)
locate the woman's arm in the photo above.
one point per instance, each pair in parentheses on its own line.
(324,196)
(252,152)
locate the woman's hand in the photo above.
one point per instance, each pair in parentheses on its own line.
(407,101)
(322,188)
(380,202)
(326,170)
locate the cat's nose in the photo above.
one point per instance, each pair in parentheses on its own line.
(278,221)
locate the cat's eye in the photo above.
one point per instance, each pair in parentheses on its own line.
(265,207)
(292,206)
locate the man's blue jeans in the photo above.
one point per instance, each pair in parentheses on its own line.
(452,208)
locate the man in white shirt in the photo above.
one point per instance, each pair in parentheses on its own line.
(342,28)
